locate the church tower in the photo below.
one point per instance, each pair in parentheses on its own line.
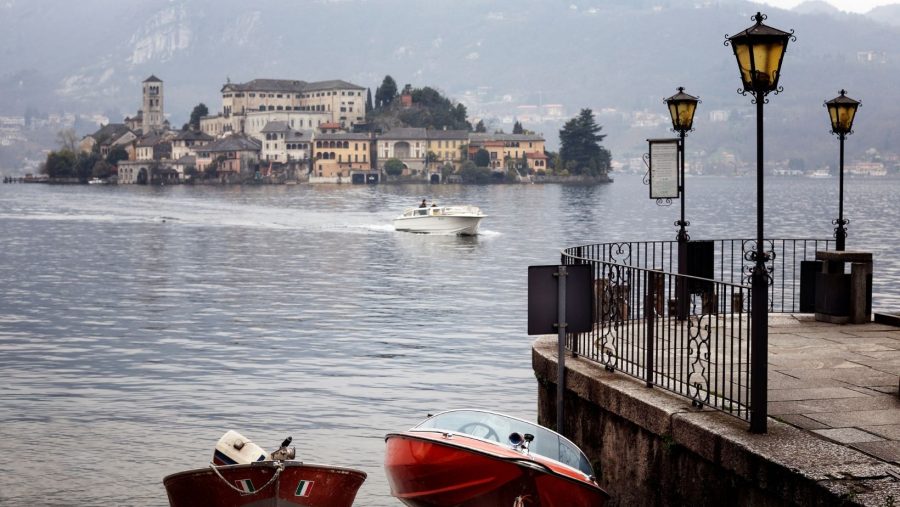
(152,111)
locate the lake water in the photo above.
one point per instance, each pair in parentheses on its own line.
(139,324)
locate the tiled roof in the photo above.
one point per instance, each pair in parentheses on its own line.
(481,137)
(192,135)
(187,160)
(275,126)
(110,132)
(334,84)
(289,86)
(329,125)
(299,135)
(150,140)
(448,134)
(232,143)
(267,85)
(404,133)
(536,155)
(344,136)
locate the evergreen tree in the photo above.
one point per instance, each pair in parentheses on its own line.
(517,128)
(368,100)
(387,92)
(479,127)
(580,148)
(482,158)
(200,110)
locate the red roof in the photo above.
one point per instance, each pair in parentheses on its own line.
(330,125)
(536,154)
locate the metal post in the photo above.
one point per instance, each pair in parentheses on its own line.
(759,297)
(840,233)
(561,349)
(649,314)
(682,295)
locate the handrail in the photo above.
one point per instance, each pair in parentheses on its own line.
(686,333)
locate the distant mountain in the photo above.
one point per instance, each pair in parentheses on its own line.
(618,57)
(816,7)
(889,14)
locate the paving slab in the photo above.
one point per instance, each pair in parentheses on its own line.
(847,435)
(887,450)
(815,393)
(889,431)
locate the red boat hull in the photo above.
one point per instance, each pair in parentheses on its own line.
(298,484)
(429,470)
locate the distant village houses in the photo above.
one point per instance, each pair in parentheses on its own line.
(279,130)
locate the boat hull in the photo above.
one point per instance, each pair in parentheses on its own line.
(299,484)
(445,224)
(426,472)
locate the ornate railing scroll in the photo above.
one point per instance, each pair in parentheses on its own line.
(704,355)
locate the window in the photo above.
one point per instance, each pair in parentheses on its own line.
(279,96)
(252,95)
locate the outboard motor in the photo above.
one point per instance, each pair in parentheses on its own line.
(284,452)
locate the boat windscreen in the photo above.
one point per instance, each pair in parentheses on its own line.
(498,427)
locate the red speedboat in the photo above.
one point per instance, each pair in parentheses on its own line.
(458,458)
(240,475)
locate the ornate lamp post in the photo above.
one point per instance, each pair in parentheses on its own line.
(842,110)
(681,108)
(759,51)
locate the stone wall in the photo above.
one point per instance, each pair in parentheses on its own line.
(652,448)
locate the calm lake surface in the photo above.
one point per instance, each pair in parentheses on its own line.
(138,324)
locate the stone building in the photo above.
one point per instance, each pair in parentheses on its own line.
(504,146)
(236,157)
(337,157)
(343,102)
(408,145)
(186,143)
(152,113)
(282,144)
(106,138)
(447,146)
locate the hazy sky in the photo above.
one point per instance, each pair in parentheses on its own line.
(844,5)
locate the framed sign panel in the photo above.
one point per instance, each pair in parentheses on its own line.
(664,182)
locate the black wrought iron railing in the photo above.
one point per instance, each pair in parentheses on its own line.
(687,334)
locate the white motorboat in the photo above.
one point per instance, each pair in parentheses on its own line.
(461,220)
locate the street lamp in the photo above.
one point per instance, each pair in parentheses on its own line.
(681,108)
(842,110)
(759,51)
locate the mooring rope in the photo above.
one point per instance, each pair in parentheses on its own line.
(278,470)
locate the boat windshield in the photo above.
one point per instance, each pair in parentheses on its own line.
(498,427)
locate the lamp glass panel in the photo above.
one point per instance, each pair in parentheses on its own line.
(686,114)
(846,117)
(767,57)
(742,53)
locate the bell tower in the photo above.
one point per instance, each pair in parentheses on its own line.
(152,111)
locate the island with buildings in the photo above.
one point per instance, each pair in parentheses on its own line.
(292,131)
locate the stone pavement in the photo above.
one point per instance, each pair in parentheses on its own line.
(839,382)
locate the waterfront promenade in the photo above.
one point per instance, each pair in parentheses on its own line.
(833,435)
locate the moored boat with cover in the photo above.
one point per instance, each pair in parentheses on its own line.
(478,458)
